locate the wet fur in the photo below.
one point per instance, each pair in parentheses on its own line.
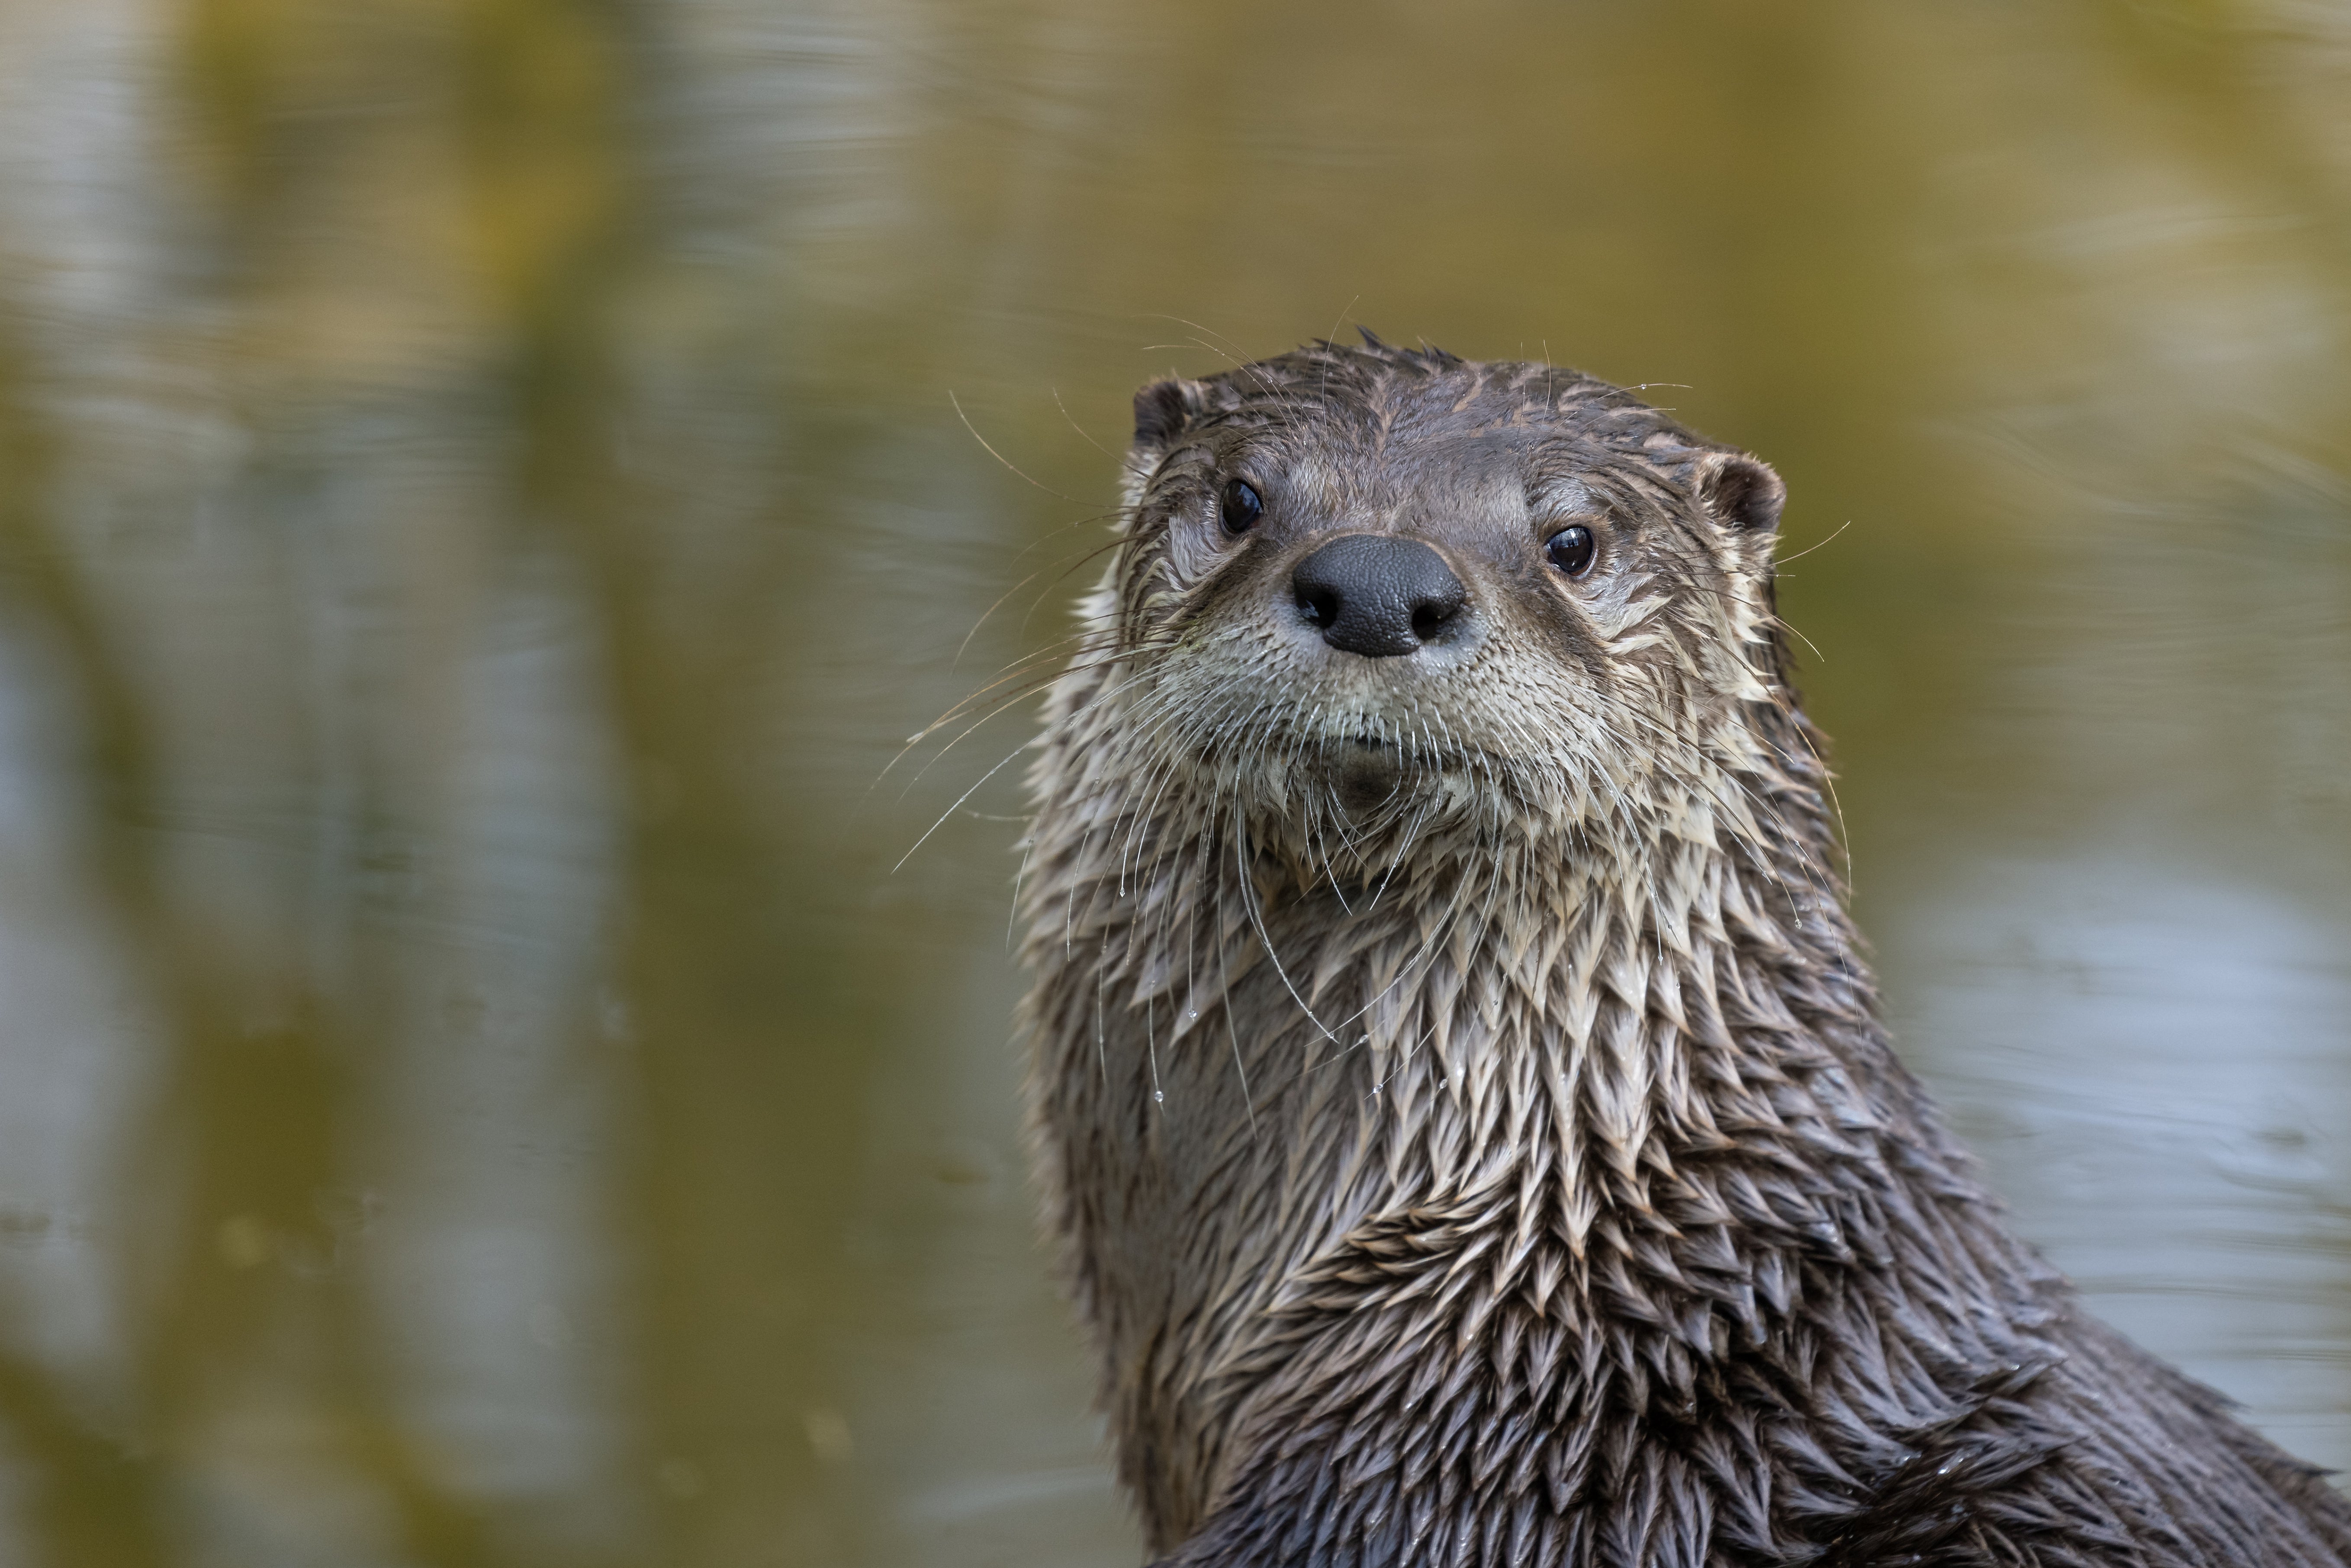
(1463,1109)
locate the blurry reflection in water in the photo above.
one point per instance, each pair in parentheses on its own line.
(480,504)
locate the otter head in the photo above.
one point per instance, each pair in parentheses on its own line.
(1370,597)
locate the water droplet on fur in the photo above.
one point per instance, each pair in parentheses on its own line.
(1158,1097)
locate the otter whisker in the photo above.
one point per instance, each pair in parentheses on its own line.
(1225,1005)
(993,606)
(999,457)
(1027,847)
(1156,781)
(1265,938)
(1040,679)
(959,799)
(1066,414)
(1151,1051)
(1076,564)
(1099,643)
(1101,980)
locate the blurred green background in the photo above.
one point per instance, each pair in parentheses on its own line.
(482,497)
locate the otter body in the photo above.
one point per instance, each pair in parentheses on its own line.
(1461,1103)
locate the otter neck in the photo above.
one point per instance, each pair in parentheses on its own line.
(1624,1085)
(1575,1018)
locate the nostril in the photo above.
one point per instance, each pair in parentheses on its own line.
(1320,605)
(1430,617)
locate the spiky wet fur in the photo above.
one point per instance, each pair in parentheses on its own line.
(1512,1169)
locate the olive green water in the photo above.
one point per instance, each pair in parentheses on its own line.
(488,485)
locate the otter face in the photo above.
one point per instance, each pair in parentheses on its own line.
(1367,588)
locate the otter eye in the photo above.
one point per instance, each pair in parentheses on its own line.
(1241,509)
(1572,549)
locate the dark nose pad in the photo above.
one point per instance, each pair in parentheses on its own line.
(1379,595)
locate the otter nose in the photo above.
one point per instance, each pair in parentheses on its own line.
(1379,595)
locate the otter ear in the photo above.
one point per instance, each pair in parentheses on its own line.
(1741,493)
(1162,409)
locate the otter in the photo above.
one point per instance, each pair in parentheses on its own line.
(1461,1099)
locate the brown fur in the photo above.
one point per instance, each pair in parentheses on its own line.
(1462,1104)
